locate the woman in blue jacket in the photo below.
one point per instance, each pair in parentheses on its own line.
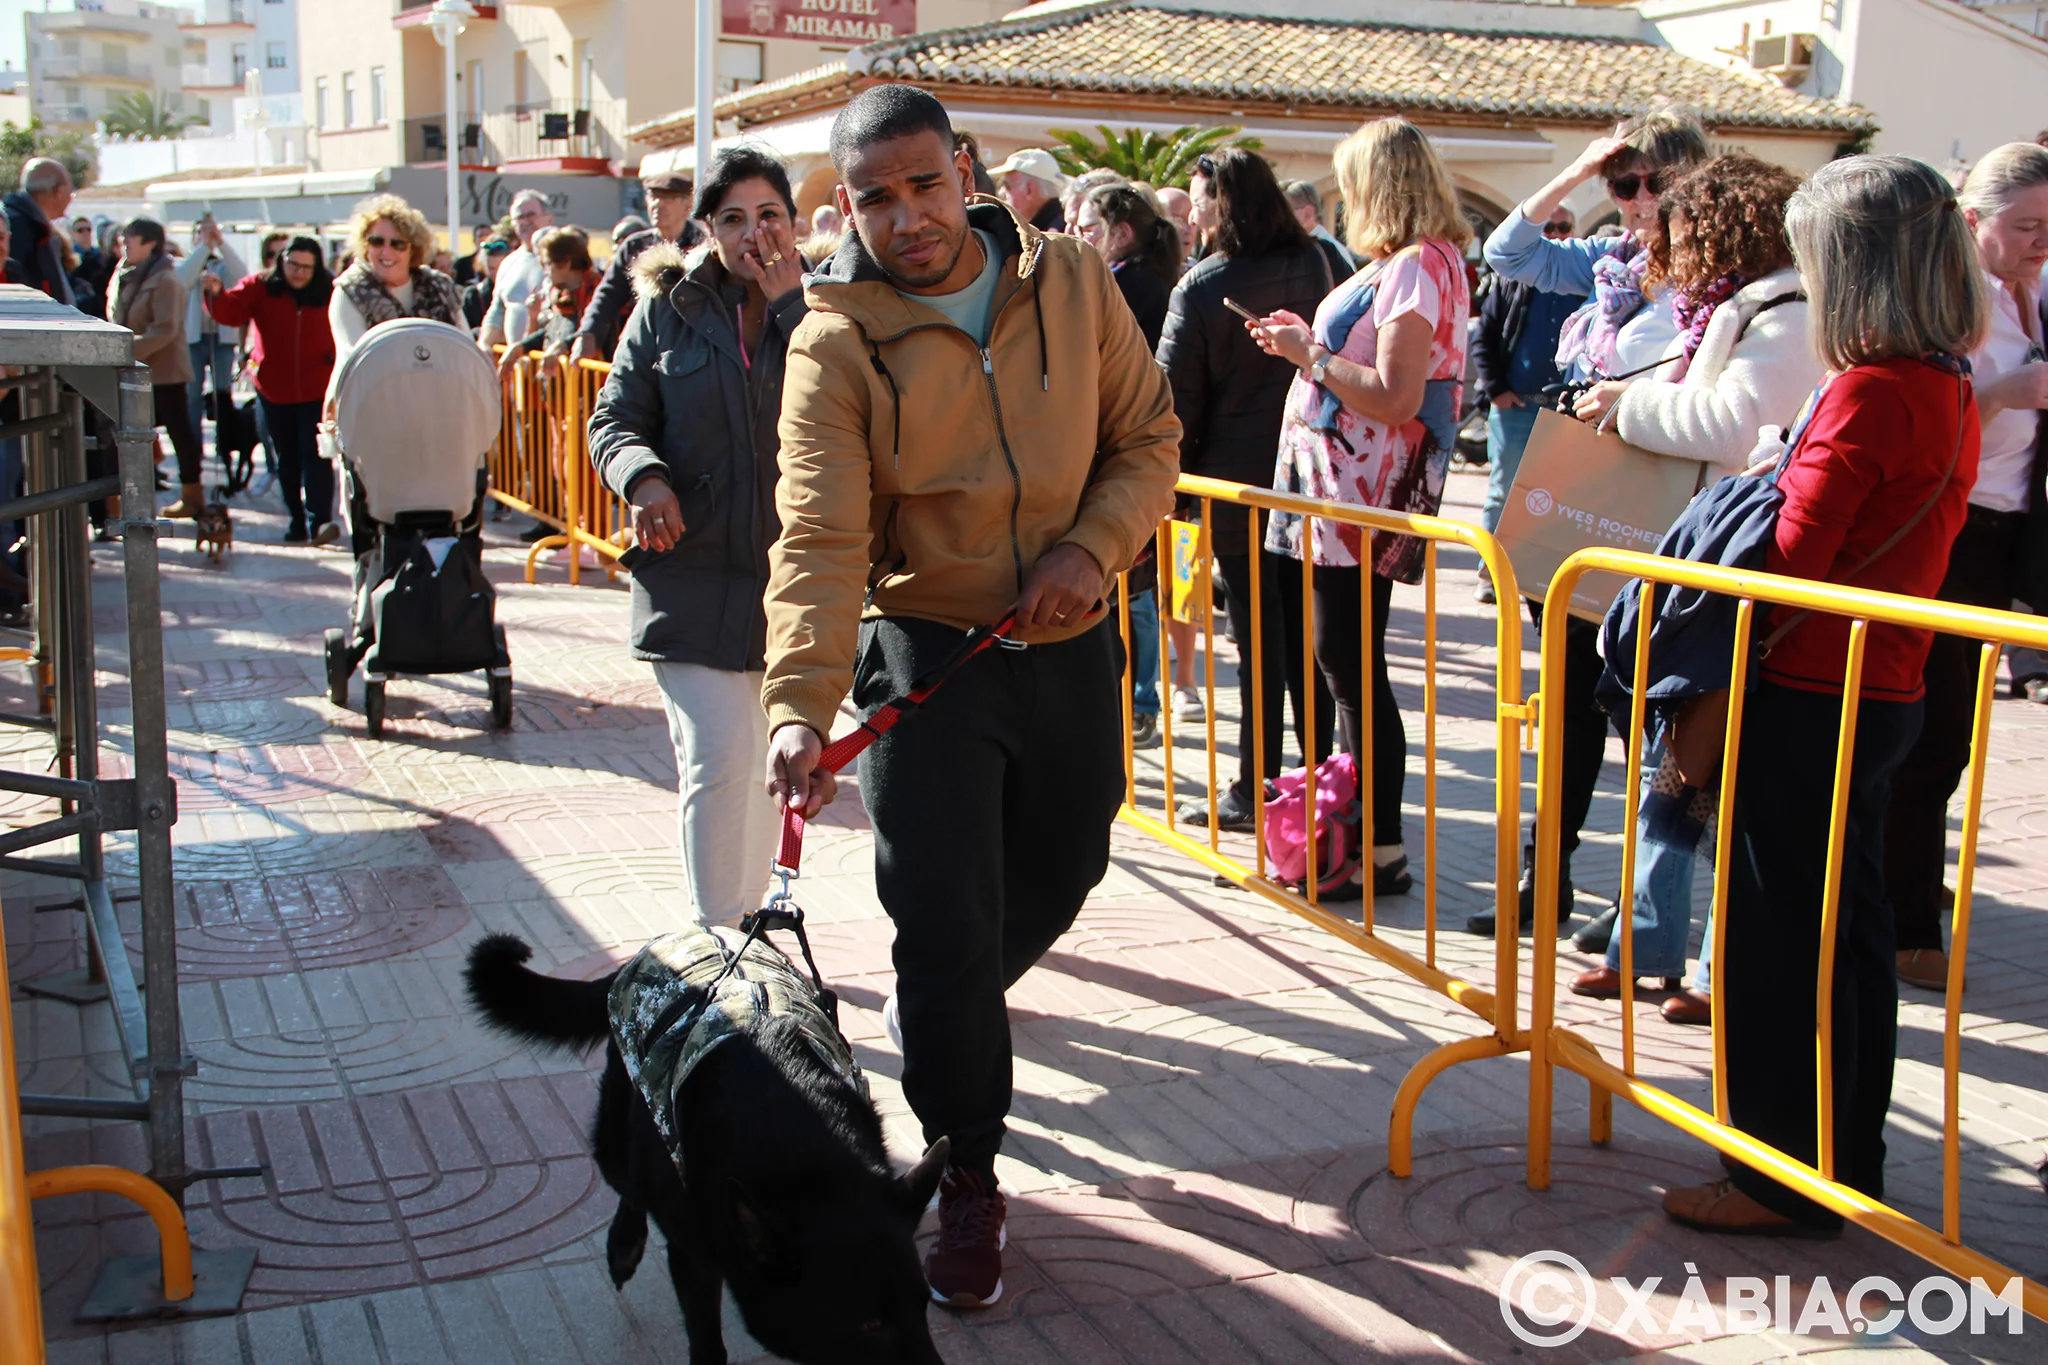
(1620,329)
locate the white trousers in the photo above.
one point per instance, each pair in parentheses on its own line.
(729,822)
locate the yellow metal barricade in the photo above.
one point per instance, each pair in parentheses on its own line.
(1551,1046)
(21,1311)
(540,464)
(1496,1006)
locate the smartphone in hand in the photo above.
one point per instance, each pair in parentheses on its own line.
(1247,314)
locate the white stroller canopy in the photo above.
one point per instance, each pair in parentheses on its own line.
(416,411)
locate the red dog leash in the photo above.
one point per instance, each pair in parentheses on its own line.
(849,746)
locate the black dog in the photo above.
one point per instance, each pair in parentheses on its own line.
(234,442)
(790,1199)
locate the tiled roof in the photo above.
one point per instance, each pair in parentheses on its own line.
(1129,50)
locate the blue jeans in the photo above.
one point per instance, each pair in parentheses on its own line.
(1507,432)
(1145,653)
(217,355)
(1661,899)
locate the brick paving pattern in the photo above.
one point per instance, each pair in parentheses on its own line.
(1197,1166)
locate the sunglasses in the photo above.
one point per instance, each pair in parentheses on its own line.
(1623,188)
(1205,166)
(293,263)
(1557,229)
(375,241)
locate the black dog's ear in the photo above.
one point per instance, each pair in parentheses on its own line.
(916,1186)
(760,1243)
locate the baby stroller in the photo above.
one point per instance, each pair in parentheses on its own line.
(416,412)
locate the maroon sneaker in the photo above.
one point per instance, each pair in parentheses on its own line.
(965,1268)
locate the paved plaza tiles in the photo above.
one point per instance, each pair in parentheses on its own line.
(1197,1166)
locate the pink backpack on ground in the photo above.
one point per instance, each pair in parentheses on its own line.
(1337,824)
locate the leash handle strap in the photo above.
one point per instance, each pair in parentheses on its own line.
(849,746)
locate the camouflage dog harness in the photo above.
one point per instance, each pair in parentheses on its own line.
(676,1001)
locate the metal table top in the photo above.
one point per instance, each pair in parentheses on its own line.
(35,329)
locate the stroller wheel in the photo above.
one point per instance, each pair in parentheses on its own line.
(339,667)
(373,708)
(501,701)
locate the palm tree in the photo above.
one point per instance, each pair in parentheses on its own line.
(1160,161)
(139,114)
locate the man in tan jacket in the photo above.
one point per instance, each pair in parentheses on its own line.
(971,422)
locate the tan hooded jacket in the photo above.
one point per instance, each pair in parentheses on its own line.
(923,475)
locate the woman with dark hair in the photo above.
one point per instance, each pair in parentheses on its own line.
(685,431)
(1141,246)
(149,301)
(1230,396)
(287,308)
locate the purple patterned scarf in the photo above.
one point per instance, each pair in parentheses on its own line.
(1692,313)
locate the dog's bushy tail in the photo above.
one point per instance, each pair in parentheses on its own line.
(515,999)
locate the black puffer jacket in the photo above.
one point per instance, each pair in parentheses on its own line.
(683,404)
(1229,394)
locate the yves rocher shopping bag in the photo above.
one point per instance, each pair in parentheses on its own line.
(1579,486)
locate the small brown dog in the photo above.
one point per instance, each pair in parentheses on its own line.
(216,533)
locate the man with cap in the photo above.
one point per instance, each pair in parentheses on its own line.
(1030,182)
(604,321)
(491,251)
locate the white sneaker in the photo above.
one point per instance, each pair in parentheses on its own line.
(892,1022)
(1187,704)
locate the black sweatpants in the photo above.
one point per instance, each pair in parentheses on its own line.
(173,414)
(1778,857)
(1281,663)
(991,807)
(1340,659)
(1585,723)
(1981,573)
(304,479)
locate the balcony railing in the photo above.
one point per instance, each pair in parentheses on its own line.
(63,113)
(560,128)
(81,69)
(211,76)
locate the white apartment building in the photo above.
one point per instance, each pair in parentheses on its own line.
(551,86)
(81,61)
(226,40)
(1946,81)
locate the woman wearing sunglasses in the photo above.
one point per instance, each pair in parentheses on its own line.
(2005,202)
(390,243)
(1624,327)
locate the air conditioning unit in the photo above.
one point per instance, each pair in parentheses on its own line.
(1788,56)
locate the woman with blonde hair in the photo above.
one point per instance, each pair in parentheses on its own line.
(2005,201)
(1876,482)
(1370,420)
(390,243)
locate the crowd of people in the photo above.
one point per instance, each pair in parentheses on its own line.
(1869,336)
(1857,336)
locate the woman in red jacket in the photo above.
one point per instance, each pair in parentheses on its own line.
(1875,492)
(295,346)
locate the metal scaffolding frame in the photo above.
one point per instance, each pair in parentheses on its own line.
(71,363)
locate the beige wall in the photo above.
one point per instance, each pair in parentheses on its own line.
(338,37)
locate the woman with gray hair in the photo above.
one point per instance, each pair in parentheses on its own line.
(2005,202)
(1876,478)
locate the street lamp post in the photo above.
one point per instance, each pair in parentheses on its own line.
(449,18)
(707,51)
